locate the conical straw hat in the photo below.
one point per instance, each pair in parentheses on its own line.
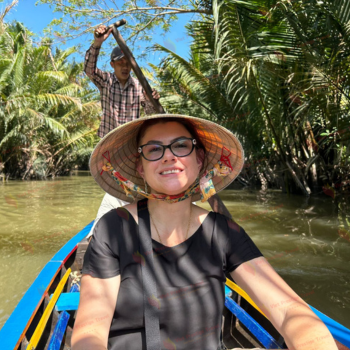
(120,149)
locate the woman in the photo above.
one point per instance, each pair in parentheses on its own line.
(171,162)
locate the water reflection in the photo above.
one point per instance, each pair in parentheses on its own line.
(301,237)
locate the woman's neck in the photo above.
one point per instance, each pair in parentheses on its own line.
(171,220)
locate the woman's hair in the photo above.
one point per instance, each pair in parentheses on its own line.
(186,124)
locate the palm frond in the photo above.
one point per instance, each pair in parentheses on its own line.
(56,99)
(60,76)
(69,90)
(55,126)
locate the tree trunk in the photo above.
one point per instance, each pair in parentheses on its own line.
(305,188)
(313,150)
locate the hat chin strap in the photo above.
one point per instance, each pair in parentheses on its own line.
(204,184)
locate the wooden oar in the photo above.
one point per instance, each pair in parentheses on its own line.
(215,201)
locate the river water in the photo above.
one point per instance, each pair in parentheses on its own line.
(300,237)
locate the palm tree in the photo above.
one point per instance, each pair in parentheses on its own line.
(48,112)
(265,70)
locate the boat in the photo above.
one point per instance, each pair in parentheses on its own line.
(44,317)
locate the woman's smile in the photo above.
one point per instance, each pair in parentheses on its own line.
(171,171)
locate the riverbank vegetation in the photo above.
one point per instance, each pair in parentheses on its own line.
(276,73)
(48,112)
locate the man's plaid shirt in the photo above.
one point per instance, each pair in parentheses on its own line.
(119,105)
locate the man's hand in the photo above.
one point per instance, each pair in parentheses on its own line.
(148,105)
(155,95)
(100,30)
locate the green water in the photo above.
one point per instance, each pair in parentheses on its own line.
(299,237)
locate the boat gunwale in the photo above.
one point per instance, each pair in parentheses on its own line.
(16,326)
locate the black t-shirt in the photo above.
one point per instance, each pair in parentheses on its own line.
(190,279)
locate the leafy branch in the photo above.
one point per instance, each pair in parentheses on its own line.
(79,18)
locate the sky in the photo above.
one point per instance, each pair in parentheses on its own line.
(37,17)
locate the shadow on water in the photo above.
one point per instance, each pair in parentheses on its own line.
(307,240)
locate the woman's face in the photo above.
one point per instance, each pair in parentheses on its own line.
(187,167)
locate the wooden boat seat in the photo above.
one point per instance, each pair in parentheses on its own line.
(59,331)
(68,302)
(62,322)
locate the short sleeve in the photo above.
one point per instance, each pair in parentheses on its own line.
(101,259)
(239,247)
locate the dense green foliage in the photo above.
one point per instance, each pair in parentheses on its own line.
(277,74)
(48,112)
(274,72)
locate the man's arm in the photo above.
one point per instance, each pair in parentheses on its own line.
(97,76)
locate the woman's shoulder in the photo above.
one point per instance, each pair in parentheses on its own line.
(130,209)
(115,218)
(119,219)
(229,223)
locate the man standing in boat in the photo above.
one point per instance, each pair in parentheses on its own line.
(121,98)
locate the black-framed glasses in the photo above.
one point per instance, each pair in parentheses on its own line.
(180,148)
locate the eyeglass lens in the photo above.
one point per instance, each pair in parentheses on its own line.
(180,148)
